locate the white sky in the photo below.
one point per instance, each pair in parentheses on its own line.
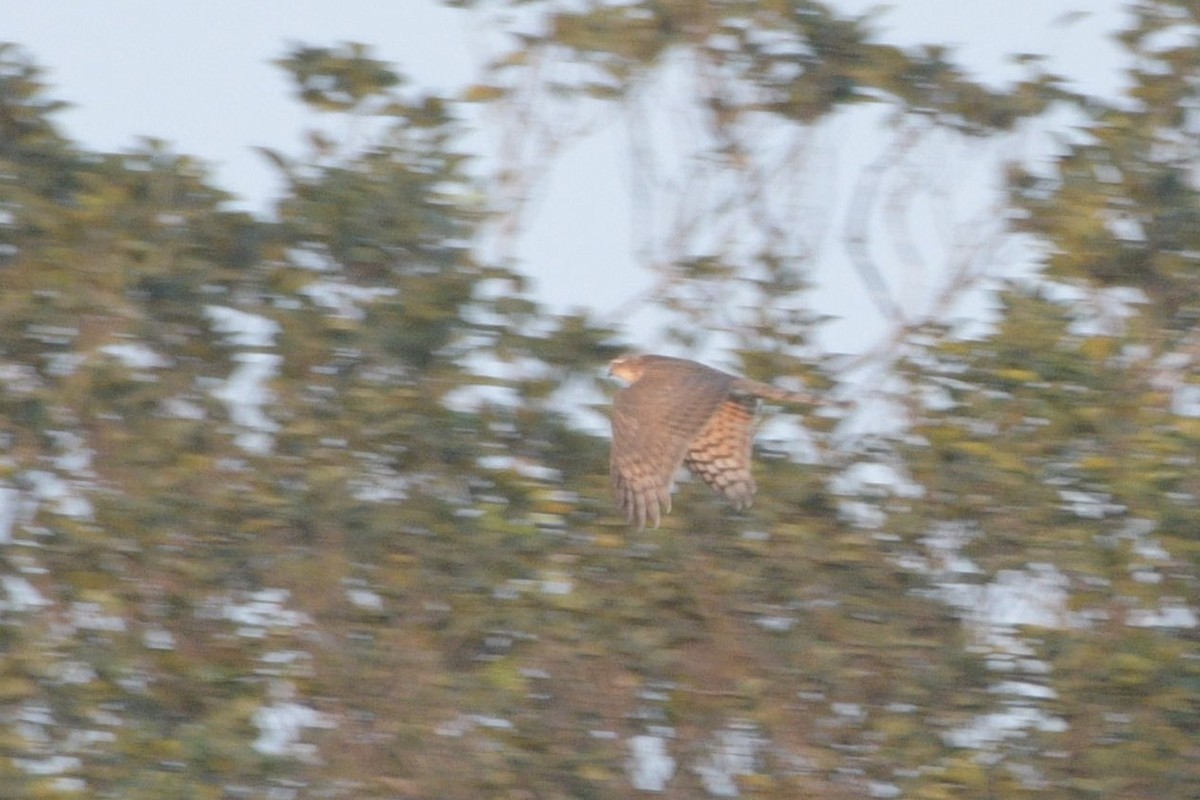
(199,76)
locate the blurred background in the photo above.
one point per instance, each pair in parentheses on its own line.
(304,322)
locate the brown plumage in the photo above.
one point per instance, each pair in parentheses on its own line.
(675,411)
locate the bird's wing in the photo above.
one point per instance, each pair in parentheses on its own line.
(655,421)
(721,454)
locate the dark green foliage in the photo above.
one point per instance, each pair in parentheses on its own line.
(802,59)
(388,566)
(1122,207)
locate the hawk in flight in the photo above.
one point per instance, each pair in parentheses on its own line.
(675,411)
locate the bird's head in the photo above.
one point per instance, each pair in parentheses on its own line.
(627,367)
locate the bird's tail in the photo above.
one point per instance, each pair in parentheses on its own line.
(768,392)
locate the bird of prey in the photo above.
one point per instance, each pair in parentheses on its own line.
(675,411)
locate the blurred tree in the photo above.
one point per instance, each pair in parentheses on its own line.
(291,508)
(731,188)
(1121,209)
(1038,486)
(211,423)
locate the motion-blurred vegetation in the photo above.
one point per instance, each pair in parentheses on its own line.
(299,507)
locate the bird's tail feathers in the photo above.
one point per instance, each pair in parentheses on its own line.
(768,392)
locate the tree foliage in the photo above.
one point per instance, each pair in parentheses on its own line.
(300,507)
